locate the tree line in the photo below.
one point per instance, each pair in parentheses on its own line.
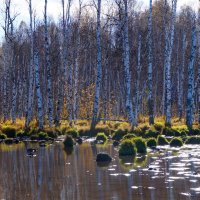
(115,63)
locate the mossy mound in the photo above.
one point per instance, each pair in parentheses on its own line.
(119,134)
(43,136)
(73,132)
(101,137)
(127,148)
(140,144)
(162,140)
(193,140)
(151,133)
(176,142)
(3,136)
(151,142)
(193,131)
(93,133)
(128,136)
(9,131)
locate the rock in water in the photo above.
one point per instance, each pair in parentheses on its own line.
(103,157)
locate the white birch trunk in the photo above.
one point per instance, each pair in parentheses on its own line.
(169,47)
(75,102)
(38,91)
(14,95)
(70,103)
(59,89)
(190,92)
(150,68)
(98,69)
(31,73)
(126,59)
(198,78)
(181,78)
(48,64)
(139,67)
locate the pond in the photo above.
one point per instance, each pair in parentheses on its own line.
(56,174)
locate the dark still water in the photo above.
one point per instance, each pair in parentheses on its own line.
(56,174)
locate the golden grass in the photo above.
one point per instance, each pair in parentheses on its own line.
(143,124)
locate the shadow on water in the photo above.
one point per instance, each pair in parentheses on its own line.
(58,173)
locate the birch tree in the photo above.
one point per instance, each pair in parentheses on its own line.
(139,68)
(198,85)
(150,70)
(63,56)
(126,59)
(190,92)
(31,75)
(169,40)
(77,54)
(98,68)
(181,78)
(38,90)
(48,65)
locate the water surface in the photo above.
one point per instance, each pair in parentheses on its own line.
(56,174)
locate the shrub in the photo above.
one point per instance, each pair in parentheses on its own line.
(74,133)
(34,137)
(101,136)
(176,142)
(118,135)
(194,131)
(2,136)
(162,140)
(93,133)
(151,142)
(127,148)
(193,140)
(171,132)
(68,142)
(128,136)
(63,129)
(140,145)
(168,131)
(20,133)
(33,131)
(42,136)
(53,133)
(151,133)
(138,131)
(9,131)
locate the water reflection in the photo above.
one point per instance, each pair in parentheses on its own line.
(57,173)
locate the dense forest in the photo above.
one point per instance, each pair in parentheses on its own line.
(114,63)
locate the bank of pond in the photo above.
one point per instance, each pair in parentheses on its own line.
(127,142)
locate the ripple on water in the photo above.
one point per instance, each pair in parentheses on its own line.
(187,194)
(132,170)
(195,189)
(134,187)
(116,174)
(151,188)
(111,169)
(176,178)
